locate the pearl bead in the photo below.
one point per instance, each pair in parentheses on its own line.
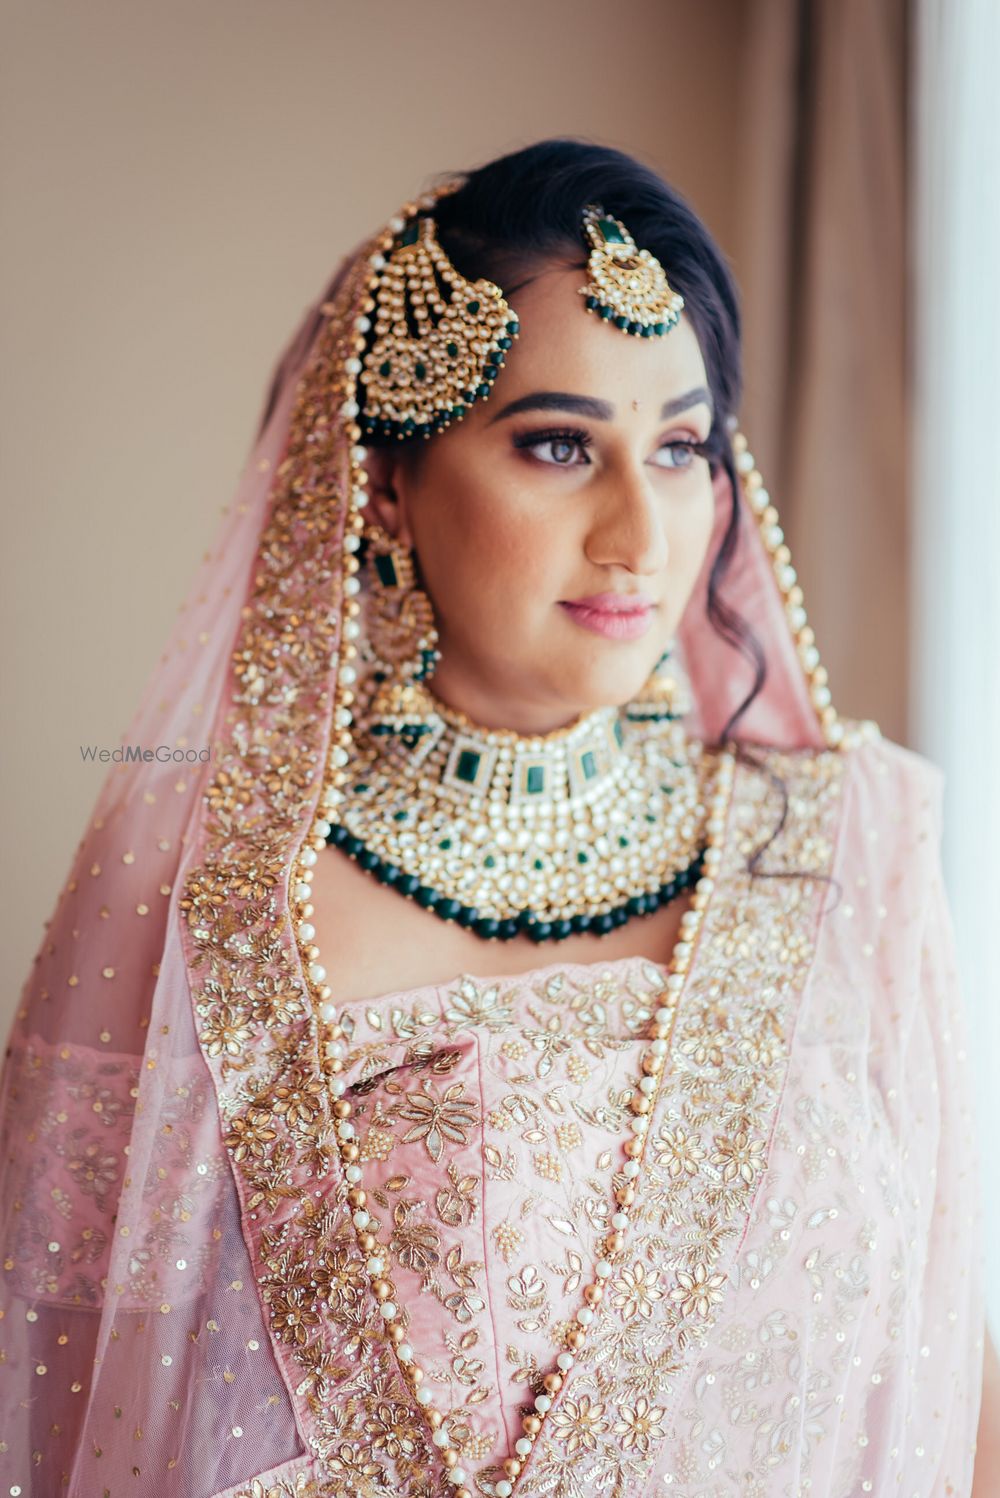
(504,1488)
(630,1169)
(543,1404)
(620,1220)
(361,1219)
(424,1396)
(353,1172)
(603,1269)
(585,1316)
(565,1361)
(441,1436)
(405,1352)
(389,1310)
(523,1446)
(375,1266)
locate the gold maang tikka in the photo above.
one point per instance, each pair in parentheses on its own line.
(628,287)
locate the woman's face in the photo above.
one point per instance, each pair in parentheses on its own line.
(560,526)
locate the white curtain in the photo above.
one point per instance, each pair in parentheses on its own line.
(955,535)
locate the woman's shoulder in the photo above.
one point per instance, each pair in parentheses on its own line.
(875,775)
(870,813)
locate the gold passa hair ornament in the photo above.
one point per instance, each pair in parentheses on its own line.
(628,287)
(439,340)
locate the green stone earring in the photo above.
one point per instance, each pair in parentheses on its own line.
(403,639)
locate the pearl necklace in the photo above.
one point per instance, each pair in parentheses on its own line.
(642,1103)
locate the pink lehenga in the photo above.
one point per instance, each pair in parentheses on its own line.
(186,1310)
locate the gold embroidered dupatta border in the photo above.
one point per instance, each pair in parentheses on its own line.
(259,1037)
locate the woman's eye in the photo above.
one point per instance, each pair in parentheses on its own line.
(557,450)
(681,454)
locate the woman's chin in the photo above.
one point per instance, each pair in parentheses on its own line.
(607,688)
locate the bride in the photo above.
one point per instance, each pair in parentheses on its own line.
(523,1054)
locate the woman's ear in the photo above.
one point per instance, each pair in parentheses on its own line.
(387,492)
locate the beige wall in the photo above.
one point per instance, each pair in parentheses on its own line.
(178,180)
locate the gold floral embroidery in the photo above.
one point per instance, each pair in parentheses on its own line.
(436,1119)
(639,1424)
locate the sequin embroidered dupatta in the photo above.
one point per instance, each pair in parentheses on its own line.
(172,1206)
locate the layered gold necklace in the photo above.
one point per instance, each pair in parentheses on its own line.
(548,835)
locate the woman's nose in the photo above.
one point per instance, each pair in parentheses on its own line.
(629,527)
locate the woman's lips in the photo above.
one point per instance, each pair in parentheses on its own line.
(614,615)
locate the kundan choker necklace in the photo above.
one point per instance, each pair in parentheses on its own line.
(548,835)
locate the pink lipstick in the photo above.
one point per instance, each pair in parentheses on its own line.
(616,616)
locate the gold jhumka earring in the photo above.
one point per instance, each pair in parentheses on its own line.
(403,640)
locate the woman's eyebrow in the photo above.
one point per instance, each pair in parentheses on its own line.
(588,405)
